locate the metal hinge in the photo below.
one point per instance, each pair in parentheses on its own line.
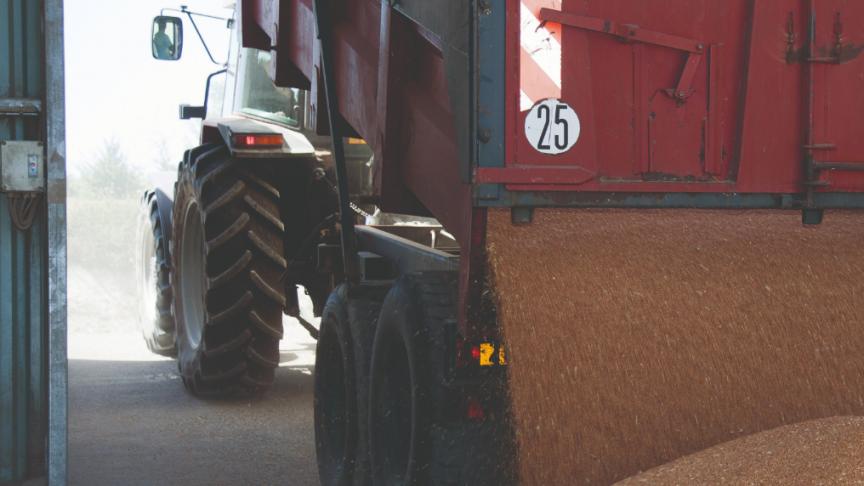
(837,53)
(695,49)
(20,106)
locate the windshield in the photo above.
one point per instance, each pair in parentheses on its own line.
(260,97)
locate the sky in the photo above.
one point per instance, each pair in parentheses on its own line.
(115,90)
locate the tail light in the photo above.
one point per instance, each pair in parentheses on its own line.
(257,140)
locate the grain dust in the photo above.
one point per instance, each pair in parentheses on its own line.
(638,337)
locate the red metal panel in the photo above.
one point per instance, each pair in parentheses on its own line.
(687,95)
(408,125)
(772,124)
(839,92)
(255,16)
(673,96)
(392,91)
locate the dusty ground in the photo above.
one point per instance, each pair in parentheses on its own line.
(132,423)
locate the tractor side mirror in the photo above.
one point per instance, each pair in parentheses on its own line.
(167,38)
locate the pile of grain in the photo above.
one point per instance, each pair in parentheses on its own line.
(827,451)
(638,337)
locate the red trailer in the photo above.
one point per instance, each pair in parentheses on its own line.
(524,104)
(595,104)
(696,104)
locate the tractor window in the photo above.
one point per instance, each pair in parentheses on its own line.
(260,97)
(230,91)
(216,97)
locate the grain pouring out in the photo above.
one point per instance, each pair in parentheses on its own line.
(637,337)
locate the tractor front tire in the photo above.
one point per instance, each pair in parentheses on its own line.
(228,258)
(154,279)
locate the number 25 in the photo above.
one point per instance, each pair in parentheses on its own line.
(562,140)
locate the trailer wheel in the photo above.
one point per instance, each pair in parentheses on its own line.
(405,377)
(413,440)
(364,309)
(153,268)
(228,259)
(335,394)
(342,362)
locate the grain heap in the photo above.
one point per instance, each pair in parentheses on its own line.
(638,337)
(827,451)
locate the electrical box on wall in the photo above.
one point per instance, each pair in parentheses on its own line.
(22,166)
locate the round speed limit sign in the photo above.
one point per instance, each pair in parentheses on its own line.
(552,127)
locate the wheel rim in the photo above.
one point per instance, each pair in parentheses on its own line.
(147,302)
(334,400)
(192,275)
(394,412)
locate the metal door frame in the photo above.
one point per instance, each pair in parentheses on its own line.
(55,116)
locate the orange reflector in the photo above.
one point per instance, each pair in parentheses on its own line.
(356,141)
(245,140)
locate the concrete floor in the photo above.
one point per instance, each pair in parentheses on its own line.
(132,423)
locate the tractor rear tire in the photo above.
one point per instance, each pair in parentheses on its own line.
(154,279)
(228,259)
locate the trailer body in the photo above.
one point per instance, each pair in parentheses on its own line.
(706,104)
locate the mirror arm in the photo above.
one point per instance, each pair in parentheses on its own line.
(188,112)
(185,9)
(189,13)
(207,88)
(201,37)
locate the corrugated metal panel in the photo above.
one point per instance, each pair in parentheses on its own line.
(22,345)
(21,58)
(23,281)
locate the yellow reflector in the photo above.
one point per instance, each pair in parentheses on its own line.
(487,350)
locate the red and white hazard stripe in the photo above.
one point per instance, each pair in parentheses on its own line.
(540,61)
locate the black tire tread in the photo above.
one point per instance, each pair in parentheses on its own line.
(261,210)
(364,308)
(273,293)
(232,311)
(231,232)
(254,179)
(244,297)
(273,331)
(231,272)
(230,346)
(227,197)
(335,463)
(159,335)
(453,452)
(267,249)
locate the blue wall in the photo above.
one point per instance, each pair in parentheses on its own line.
(23,282)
